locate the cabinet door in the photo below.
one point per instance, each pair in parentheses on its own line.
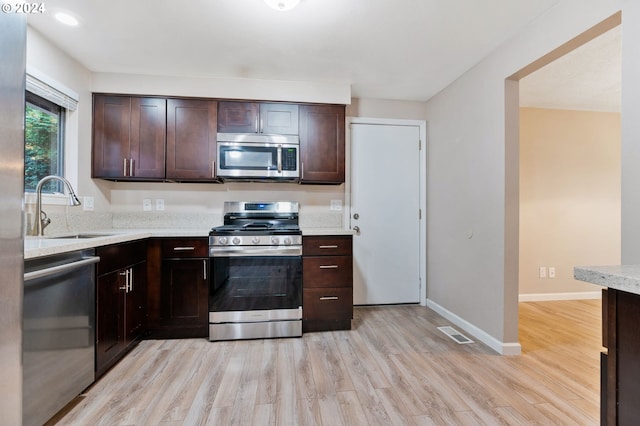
(109,319)
(184,298)
(111,137)
(148,134)
(135,302)
(191,139)
(322,144)
(278,119)
(327,304)
(238,117)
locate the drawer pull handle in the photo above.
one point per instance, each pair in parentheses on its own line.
(329,298)
(333,246)
(183,248)
(328,266)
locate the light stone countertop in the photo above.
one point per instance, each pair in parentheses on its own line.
(326,231)
(50,245)
(618,277)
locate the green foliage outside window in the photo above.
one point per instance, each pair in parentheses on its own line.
(42,153)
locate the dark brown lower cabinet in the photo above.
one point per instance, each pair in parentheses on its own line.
(327,270)
(179,288)
(621,378)
(120,301)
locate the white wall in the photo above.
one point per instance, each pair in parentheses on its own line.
(385,108)
(468,275)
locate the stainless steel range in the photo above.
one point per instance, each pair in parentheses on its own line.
(256,272)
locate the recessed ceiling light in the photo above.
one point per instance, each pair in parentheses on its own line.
(282,5)
(67,19)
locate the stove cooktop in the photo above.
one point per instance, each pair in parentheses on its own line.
(256,230)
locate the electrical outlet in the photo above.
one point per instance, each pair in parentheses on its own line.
(87,204)
(159,204)
(146,205)
(542,272)
(336,205)
(552,271)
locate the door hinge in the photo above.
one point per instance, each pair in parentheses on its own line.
(420,214)
(419,144)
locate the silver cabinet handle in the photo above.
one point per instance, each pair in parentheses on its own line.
(131,167)
(333,246)
(126,281)
(184,248)
(329,298)
(204,268)
(130,279)
(328,266)
(124,167)
(60,268)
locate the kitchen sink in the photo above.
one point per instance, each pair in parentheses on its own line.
(79,236)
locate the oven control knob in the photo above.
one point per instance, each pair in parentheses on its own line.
(236,240)
(287,241)
(255,240)
(275,240)
(222,240)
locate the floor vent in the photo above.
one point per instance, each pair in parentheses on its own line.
(455,335)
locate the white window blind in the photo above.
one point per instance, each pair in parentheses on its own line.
(51,90)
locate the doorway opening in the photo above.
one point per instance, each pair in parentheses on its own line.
(568,176)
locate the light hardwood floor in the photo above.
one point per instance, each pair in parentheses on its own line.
(394,367)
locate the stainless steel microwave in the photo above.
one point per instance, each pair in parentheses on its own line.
(257,156)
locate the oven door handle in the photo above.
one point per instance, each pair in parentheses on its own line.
(255,251)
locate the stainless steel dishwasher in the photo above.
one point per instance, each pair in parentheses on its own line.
(58,347)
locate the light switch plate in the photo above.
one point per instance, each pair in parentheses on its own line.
(146,205)
(159,204)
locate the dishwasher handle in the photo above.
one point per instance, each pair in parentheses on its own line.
(61,268)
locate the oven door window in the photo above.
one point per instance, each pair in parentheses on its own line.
(256,283)
(242,157)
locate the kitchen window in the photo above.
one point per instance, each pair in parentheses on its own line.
(43,143)
(48,105)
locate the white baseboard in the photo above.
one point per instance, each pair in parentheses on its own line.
(500,347)
(546,297)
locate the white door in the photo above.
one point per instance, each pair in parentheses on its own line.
(385,207)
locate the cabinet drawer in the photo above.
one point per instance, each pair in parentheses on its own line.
(327,303)
(327,271)
(337,245)
(119,256)
(185,247)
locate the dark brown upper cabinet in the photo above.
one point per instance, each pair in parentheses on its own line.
(322,147)
(255,117)
(191,140)
(128,137)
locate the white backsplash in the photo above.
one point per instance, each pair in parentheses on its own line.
(81,221)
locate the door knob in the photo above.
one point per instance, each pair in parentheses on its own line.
(356,216)
(356,229)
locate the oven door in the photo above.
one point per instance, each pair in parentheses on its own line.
(255,288)
(244,160)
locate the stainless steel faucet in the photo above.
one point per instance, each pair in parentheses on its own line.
(41,220)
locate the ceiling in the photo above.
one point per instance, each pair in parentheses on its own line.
(403,49)
(588,78)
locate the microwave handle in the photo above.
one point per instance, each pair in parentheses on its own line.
(279,158)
